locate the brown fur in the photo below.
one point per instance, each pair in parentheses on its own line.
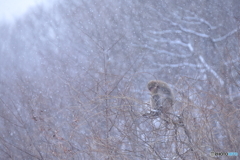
(162,96)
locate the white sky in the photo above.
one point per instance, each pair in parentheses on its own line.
(10,9)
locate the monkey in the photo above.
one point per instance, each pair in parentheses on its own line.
(161,97)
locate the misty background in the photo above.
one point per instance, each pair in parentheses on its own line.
(73,78)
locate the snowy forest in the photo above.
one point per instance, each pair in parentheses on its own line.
(73,80)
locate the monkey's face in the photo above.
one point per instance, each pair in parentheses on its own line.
(153,87)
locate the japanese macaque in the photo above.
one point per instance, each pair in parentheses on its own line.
(161,97)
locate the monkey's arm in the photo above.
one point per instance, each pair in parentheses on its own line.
(156,106)
(156,102)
